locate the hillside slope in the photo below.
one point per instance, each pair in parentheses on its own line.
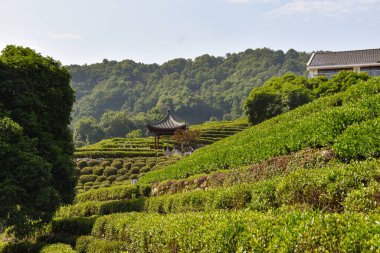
(322,123)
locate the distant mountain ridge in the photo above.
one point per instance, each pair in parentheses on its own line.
(195,90)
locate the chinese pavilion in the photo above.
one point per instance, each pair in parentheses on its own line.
(166,126)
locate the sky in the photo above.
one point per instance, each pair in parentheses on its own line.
(155,31)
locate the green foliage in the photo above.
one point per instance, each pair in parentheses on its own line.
(72,226)
(87,178)
(81,164)
(241,232)
(205,87)
(113,193)
(57,248)
(109,171)
(281,94)
(361,140)
(317,124)
(37,172)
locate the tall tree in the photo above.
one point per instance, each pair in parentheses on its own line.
(37,169)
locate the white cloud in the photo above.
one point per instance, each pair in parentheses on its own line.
(333,8)
(64,36)
(252,1)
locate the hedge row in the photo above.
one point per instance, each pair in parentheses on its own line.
(114,193)
(244,231)
(276,166)
(90,208)
(116,154)
(317,124)
(323,189)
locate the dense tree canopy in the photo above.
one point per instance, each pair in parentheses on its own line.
(195,90)
(36,171)
(281,94)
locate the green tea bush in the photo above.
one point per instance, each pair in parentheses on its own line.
(134,170)
(360,140)
(133,176)
(101,179)
(122,171)
(22,247)
(93,162)
(82,163)
(105,163)
(113,193)
(241,231)
(57,248)
(87,178)
(111,178)
(72,226)
(127,165)
(88,185)
(365,199)
(98,171)
(105,183)
(109,171)
(145,169)
(87,244)
(139,164)
(117,164)
(87,170)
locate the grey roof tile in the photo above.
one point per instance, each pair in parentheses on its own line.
(366,56)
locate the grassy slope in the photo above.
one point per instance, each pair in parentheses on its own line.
(317,124)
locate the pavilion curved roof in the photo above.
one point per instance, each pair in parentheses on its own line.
(168,123)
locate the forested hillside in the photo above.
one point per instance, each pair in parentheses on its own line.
(196,89)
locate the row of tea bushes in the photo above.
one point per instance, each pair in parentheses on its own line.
(114,193)
(241,231)
(97,173)
(335,188)
(211,132)
(317,124)
(276,166)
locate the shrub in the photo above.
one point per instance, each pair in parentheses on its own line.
(88,186)
(113,193)
(122,171)
(109,171)
(57,248)
(98,171)
(81,164)
(145,169)
(151,164)
(134,170)
(72,226)
(117,164)
(101,179)
(87,178)
(93,162)
(87,170)
(127,165)
(105,183)
(133,176)
(139,165)
(241,231)
(105,164)
(111,178)
(365,199)
(361,140)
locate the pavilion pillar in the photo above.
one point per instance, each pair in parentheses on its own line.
(158,142)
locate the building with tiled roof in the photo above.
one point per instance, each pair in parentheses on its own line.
(330,63)
(166,126)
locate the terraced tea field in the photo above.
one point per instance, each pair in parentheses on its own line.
(304,181)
